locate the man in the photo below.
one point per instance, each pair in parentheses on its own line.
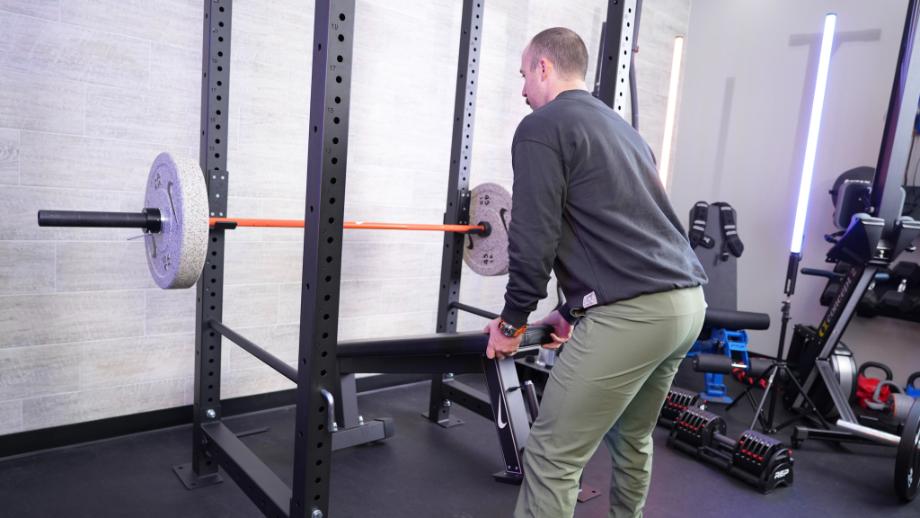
(588,204)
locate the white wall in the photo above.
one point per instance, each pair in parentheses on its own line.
(91,91)
(748,84)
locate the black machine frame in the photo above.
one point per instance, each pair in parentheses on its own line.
(326,403)
(215,100)
(869,244)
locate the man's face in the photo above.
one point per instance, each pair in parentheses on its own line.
(534,83)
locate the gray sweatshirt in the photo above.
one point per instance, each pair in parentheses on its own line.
(588,205)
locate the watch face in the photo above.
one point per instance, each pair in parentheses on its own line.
(507,330)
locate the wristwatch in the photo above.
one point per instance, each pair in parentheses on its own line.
(509,330)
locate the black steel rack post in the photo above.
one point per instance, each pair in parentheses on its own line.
(214,445)
(458,195)
(333,32)
(615,59)
(898,133)
(215,92)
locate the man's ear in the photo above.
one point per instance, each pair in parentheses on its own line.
(545,68)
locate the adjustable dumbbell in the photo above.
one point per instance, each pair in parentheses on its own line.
(675,403)
(755,458)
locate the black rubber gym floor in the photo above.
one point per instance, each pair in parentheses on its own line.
(424,471)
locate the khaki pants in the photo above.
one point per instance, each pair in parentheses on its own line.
(609,384)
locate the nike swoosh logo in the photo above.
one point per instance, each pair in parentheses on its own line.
(499,419)
(501,214)
(172,206)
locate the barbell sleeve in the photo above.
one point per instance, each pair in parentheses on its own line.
(872,434)
(148,219)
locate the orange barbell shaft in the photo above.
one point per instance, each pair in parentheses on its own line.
(413,226)
(367,225)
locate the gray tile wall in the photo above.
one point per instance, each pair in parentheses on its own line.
(10,416)
(9,156)
(91,91)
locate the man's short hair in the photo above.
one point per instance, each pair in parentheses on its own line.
(564,48)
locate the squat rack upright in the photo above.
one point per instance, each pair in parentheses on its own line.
(213,444)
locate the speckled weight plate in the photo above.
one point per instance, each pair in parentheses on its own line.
(176,254)
(488,255)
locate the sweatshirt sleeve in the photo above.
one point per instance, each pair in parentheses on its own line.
(536,226)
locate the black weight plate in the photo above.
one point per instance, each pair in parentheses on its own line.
(907,463)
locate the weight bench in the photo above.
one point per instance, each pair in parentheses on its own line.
(507,403)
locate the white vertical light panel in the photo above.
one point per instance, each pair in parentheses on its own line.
(814,127)
(671,110)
